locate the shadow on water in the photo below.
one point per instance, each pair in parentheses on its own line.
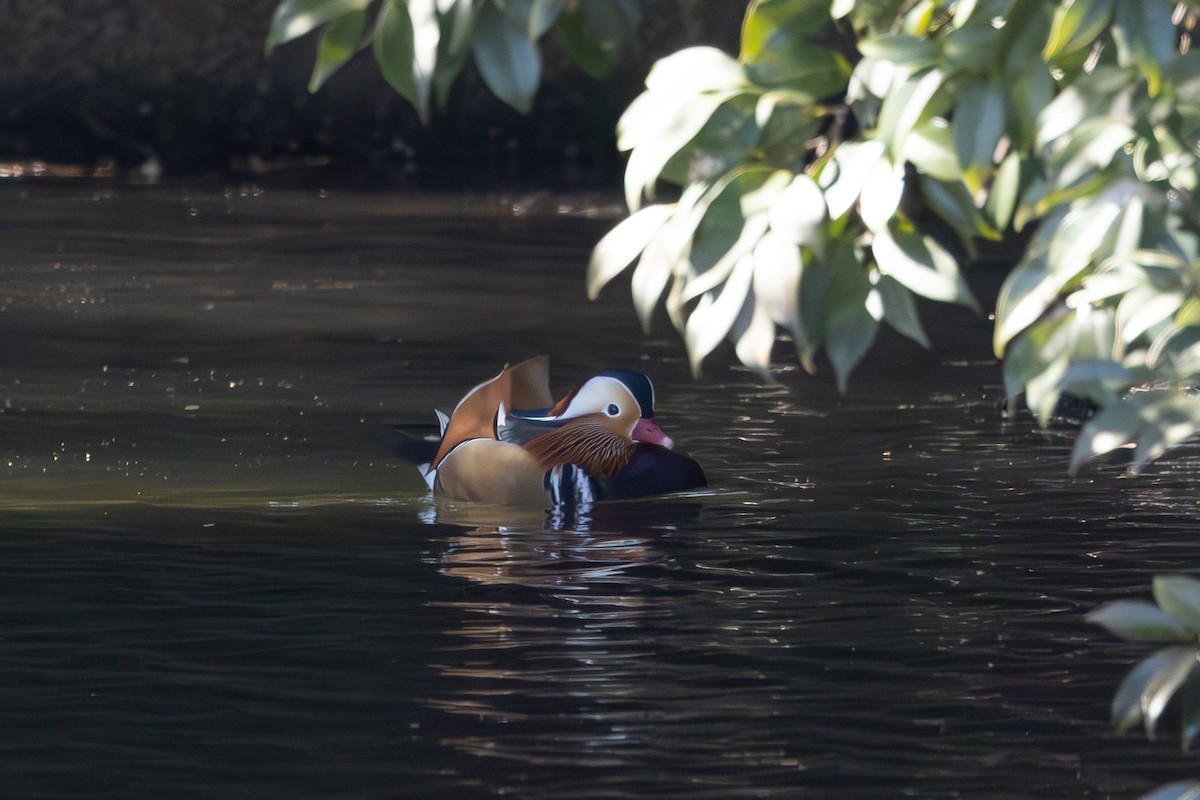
(217,583)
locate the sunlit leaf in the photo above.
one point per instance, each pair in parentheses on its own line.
(1179,596)
(883,190)
(1146,681)
(1077,242)
(1028,291)
(905,108)
(508,61)
(711,320)
(1163,684)
(930,148)
(339,42)
(841,8)
(622,244)
(1140,621)
(1002,198)
(922,265)
(901,48)
(1171,420)
(719,216)
(979,122)
(765,20)
(1145,37)
(294,18)
(847,174)
(777,273)
(1113,427)
(664,255)
(696,69)
(656,127)
(753,333)
(798,212)
(1076,24)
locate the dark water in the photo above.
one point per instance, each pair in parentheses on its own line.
(217,584)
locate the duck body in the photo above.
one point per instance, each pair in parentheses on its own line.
(508,442)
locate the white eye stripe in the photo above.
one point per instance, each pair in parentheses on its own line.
(596,395)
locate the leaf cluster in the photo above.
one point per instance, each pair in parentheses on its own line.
(421,46)
(854,155)
(856,152)
(1167,683)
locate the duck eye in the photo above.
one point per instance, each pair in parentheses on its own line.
(612,410)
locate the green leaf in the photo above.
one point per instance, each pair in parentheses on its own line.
(798,212)
(294,18)
(754,335)
(878,205)
(930,148)
(900,311)
(778,267)
(1145,37)
(1144,691)
(1112,428)
(713,317)
(841,8)
(845,176)
(508,62)
(766,19)
(696,69)
(955,205)
(1139,621)
(395,52)
(543,14)
(979,122)
(973,48)
(592,33)
(834,297)
(922,265)
(907,107)
(427,34)
(1006,187)
(901,48)
(656,127)
(809,69)
(779,49)
(622,244)
(339,42)
(457,24)
(1076,25)
(1179,596)
(1026,294)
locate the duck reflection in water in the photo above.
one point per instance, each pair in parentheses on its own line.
(509,443)
(540,643)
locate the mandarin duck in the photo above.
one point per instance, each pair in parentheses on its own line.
(508,442)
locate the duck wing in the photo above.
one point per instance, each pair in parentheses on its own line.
(476,415)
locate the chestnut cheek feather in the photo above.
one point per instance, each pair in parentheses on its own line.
(586,443)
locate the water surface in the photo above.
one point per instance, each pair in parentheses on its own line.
(218,583)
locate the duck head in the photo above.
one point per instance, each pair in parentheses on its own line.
(598,424)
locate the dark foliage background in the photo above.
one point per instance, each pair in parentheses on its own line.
(187,85)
